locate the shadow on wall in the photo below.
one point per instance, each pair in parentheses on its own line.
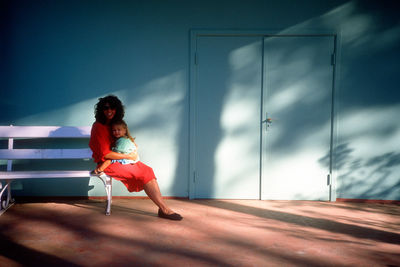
(366,157)
(369,104)
(375,177)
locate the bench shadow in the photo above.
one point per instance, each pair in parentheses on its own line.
(100,205)
(84,203)
(12,250)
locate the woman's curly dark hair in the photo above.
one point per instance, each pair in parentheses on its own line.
(114,102)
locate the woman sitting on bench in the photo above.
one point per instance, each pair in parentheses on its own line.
(136,177)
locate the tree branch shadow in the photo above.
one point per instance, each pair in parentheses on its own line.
(29,257)
(305,221)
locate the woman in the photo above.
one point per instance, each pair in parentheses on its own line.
(136,177)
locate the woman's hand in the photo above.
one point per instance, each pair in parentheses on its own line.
(133,155)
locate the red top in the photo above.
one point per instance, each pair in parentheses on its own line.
(100,141)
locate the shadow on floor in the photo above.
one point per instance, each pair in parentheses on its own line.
(300,220)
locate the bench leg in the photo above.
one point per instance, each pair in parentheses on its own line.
(107,181)
(8,201)
(108,185)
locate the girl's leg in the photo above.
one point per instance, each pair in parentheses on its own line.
(153,191)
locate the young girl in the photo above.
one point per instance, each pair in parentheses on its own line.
(124,144)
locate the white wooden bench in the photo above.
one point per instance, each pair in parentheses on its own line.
(16,134)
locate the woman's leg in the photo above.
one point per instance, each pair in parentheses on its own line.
(133,177)
(153,191)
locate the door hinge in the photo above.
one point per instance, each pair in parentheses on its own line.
(333,59)
(194,176)
(328,181)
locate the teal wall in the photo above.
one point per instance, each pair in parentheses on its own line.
(59,57)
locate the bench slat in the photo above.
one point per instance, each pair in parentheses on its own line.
(43,174)
(44,131)
(45,153)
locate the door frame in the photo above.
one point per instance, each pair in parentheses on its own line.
(196,33)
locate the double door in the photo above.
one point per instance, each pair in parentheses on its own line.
(262,117)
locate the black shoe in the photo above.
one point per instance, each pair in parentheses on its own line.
(173,216)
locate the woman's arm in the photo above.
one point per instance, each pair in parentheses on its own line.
(116,155)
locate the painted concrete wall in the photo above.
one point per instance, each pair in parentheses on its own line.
(59,57)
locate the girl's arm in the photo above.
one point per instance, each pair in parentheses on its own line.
(103,166)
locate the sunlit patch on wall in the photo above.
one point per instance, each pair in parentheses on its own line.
(154,113)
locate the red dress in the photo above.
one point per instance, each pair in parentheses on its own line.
(133,176)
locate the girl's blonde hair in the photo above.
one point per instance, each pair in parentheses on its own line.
(123,124)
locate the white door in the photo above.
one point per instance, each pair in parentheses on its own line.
(298,77)
(237,80)
(228,80)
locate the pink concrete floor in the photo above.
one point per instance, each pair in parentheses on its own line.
(213,233)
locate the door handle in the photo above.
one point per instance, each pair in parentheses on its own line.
(268,121)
